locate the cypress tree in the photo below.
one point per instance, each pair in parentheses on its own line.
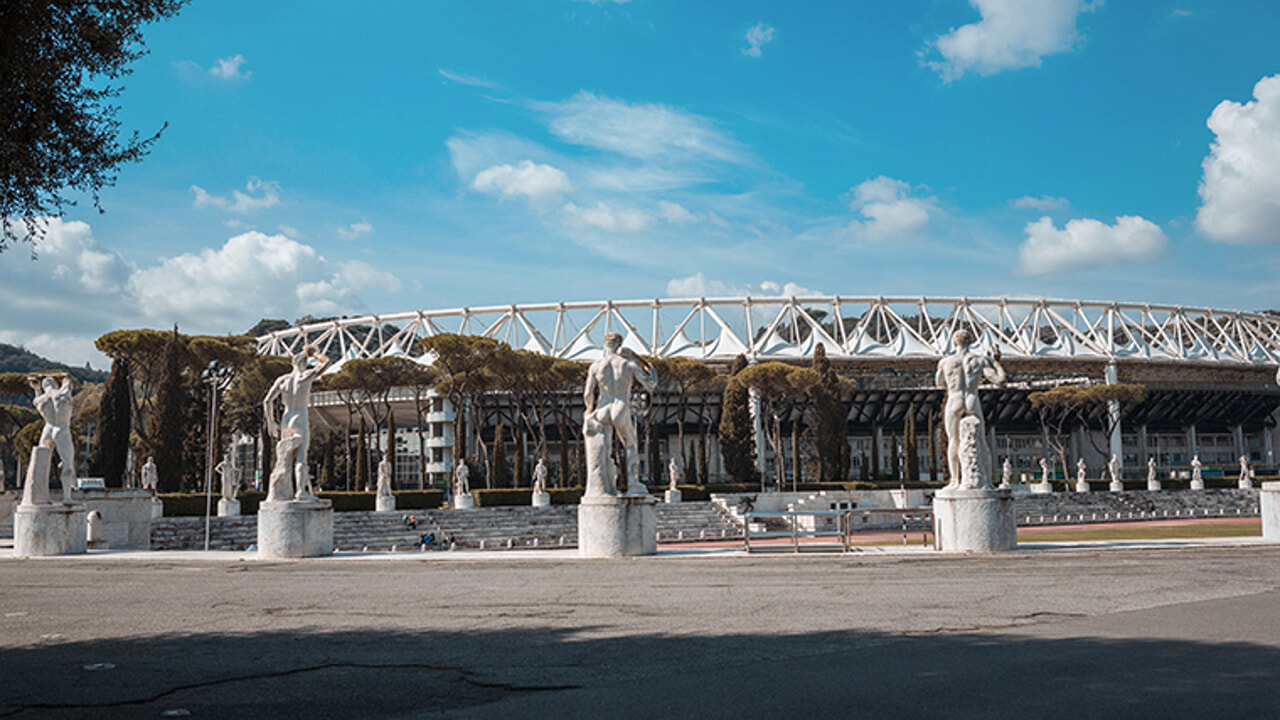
(565,458)
(737,432)
(864,469)
(327,464)
(875,451)
(797,471)
(362,459)
(517,474)
(168,424)
(194,442)
(499,463)
(911,463)
(829,416)
(115,417)
(702,456)
(895,465)
(933,448)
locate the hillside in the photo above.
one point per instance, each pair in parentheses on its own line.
(18,360)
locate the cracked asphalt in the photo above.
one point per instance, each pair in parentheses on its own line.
(1175,632)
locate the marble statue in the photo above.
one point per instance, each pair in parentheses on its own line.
(1195,469)
(539,477)
(384,477)
(1080,470)
(129,462)
(461,482)
(673,474)
(1246,474)
(1151,468)
(150,478)
(960,374)
(227,473)
(1006,473)
(611,378)
(53,402)
(1113,467)
(1044,470)
(290,479)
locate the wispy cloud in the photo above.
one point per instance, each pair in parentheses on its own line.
(228,68)
(355,230)
(699,285)
(757,37)
(472,80)
(1042,203)
(261,194)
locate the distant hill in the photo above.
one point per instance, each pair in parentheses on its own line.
(16,359)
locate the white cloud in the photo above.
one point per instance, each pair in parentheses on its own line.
(1085,243)
(228,68)
(606,216)
(289,231)
(1012,34)
(472,80)
(699,285)
(1042,203)
(355,230)
(675,213)
(645,131)
(1240,188)
(240,202)
(890,209)
(537,182)
(757,37)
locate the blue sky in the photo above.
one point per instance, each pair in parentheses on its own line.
(323,158)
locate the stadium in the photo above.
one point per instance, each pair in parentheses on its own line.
(1210,374)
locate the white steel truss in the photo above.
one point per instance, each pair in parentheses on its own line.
(789,328)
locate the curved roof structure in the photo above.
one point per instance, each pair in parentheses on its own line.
(851,328)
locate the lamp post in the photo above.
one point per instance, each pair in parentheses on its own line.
(217,377)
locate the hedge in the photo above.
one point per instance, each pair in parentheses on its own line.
(193,504)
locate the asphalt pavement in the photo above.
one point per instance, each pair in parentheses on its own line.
(1051,631)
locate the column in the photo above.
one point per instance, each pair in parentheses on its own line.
(757,423)
(1113,411)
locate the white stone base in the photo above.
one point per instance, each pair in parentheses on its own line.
(228,508)
(1082,486)
(673,496)
(1245,484)
(464,502)
(1197,484)
(975,520)
(617,526)
(157,508)
(541,499)
(385,503)
(40,530)
(1116,486)
(1269,502)
(1153,485)
(1042,488)
(295,529)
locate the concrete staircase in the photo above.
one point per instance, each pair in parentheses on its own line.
(483,528)
(1063,508)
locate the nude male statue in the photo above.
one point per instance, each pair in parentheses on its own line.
(150,477)
(294,429)
(611,377)
(384,478)
(539,477)
(461,482)
(227,474)
(53,402)
(961,374)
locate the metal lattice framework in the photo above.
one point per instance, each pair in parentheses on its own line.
(789,328)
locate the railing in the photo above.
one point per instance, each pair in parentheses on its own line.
(836,526)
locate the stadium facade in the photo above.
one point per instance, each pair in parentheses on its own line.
(1210,374)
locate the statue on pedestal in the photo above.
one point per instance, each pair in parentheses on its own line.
(290,478)
(53,402)
(150,478)
(1044,470)
(1195,469)
(673,474)
(1080,470)
(611,377)
(539,477)
(960,374)
(1006,474)
(1151,468)
(1113,467)
(461,482)
(384,477)
(1246,473)
(227,473)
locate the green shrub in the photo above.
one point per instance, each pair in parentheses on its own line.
(418,499)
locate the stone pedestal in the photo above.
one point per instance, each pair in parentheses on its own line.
(617,526)
(295,529)
(1269,502)
(228,508)
(975,520)
(464,502)
(1116,486)
(1153,485)
(1082,486)
(673,496)
(157,508)
(1042,488)
(385,503)
(1197,484)
(40,530)
(541,499)
(1245,483)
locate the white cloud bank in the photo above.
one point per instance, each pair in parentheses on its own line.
(1042,203)
(606,216)
(1240,188)
(228,68)
(79,289)
(353,231)
(699,285)
(537,182)
(891,210)
(1086,243)
(261,195)
(1012,34)
(757,37)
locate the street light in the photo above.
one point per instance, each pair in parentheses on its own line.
(217,377)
